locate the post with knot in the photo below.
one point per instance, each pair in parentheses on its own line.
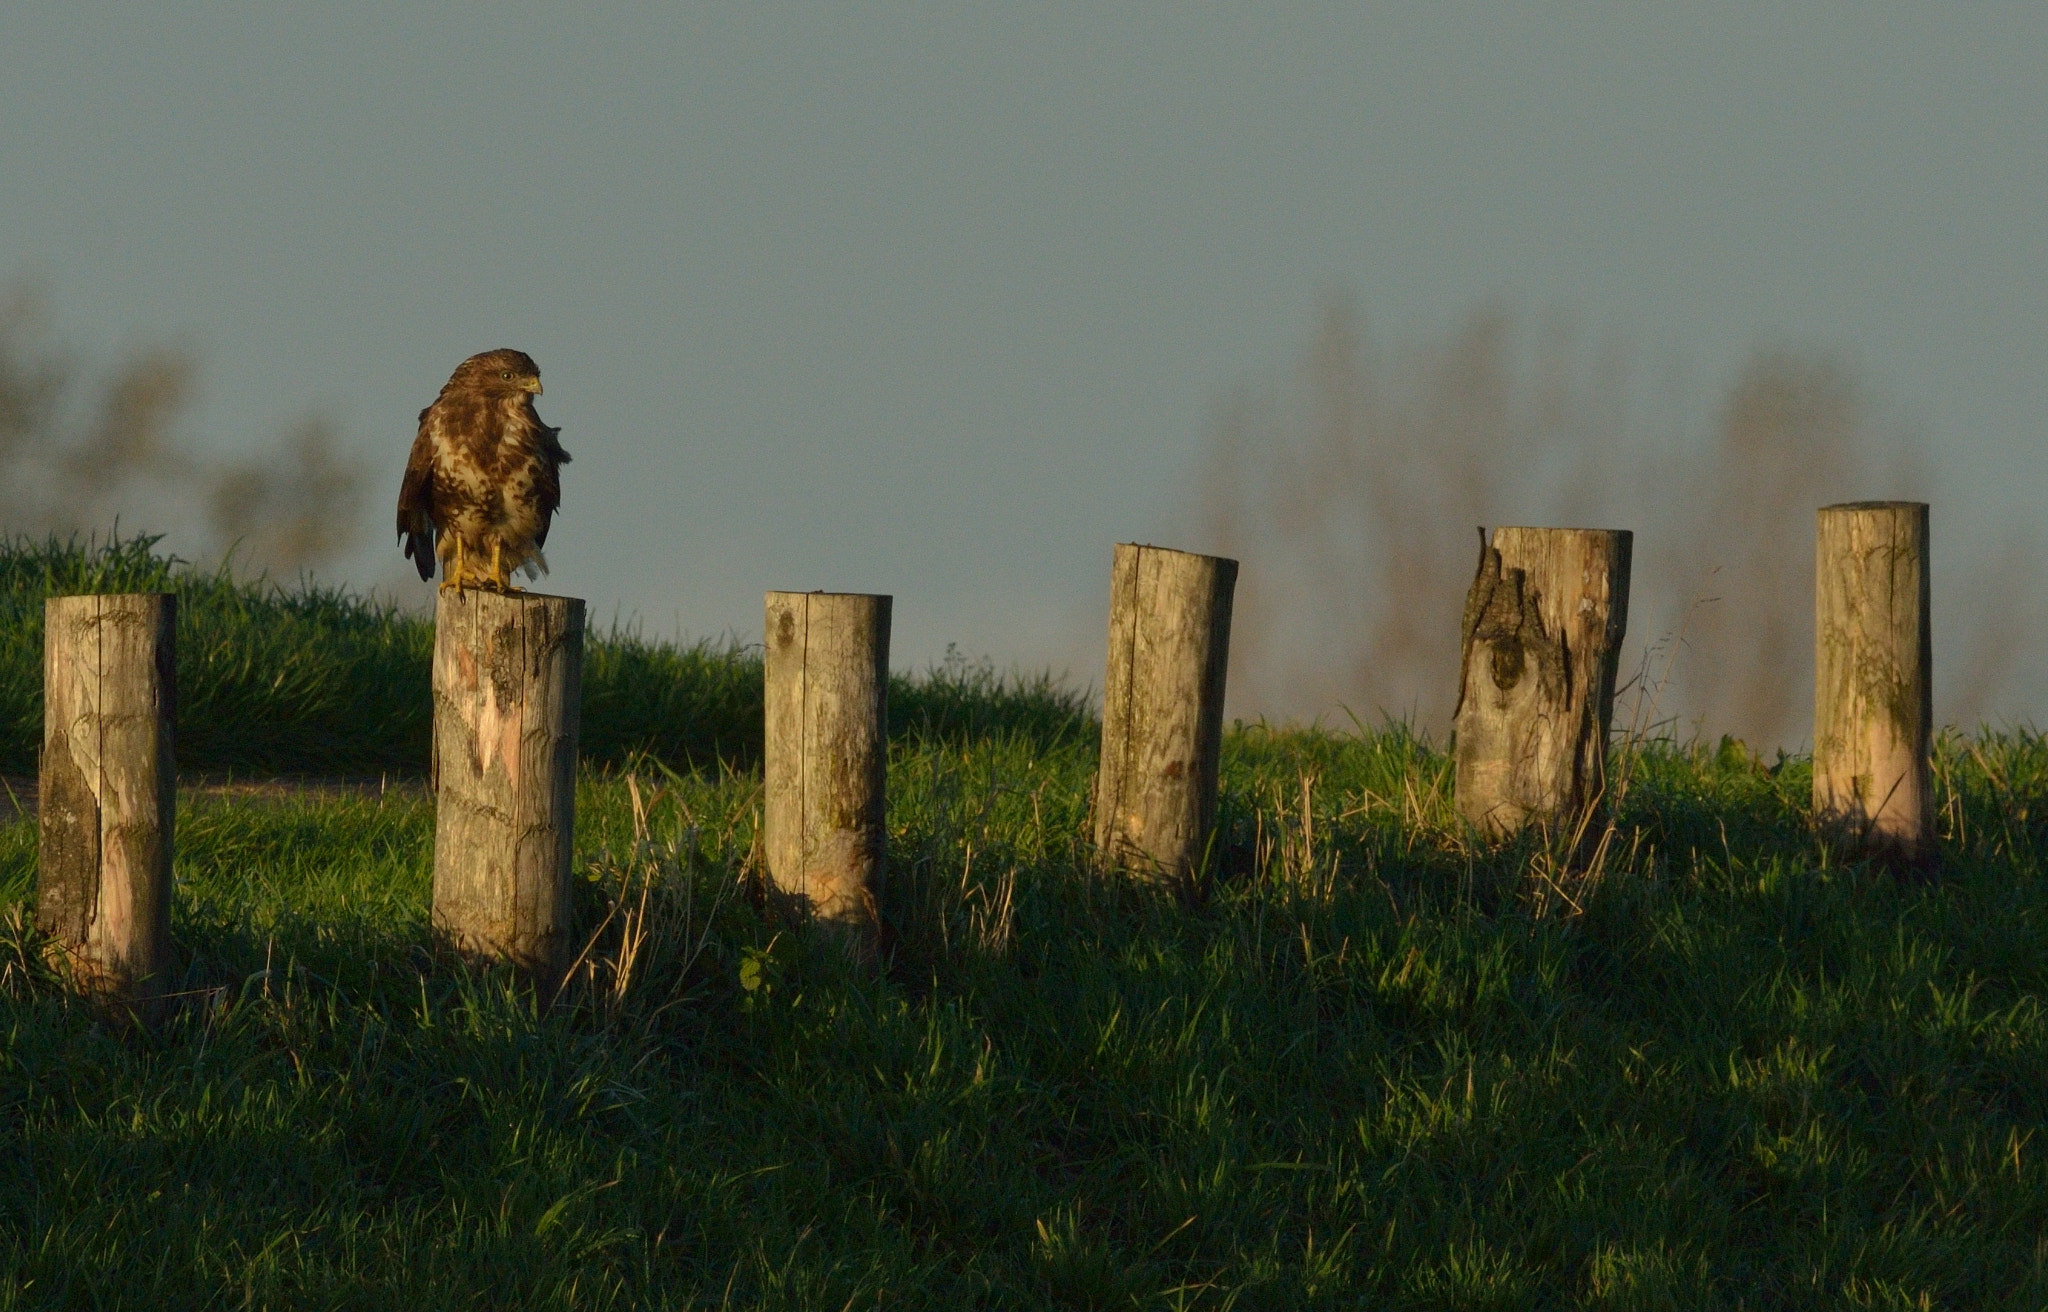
(108,793)
(825,766)
(1873,687)
(1162,711)
(1541,648)
(508,691)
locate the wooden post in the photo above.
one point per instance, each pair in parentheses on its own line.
(1162,710)
(109,791)
(1873,688)
(1542,643)
(508,691)
(826,762)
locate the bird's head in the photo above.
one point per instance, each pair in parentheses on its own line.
(500,371)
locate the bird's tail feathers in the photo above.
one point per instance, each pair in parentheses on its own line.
(420,547)
(536,564)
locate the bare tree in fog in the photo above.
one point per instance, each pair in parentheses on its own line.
(79,451)
(1354,497)
(292,509)
(1352,493)
(1793,435)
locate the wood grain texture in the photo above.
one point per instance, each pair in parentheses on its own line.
(1543,627)
(508,690)
(824,827)
(1162,709)
(108,790)
(1873,694)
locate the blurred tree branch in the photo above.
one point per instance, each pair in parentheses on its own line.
(1352,490)
(78,450)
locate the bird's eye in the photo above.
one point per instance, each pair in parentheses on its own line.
(507,375)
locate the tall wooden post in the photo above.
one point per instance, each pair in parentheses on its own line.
(109,790)
(826,763)
(1542,644)
(1162,709)
(1873,688)
(508,691)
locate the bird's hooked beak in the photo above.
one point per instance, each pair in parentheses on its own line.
(534,387)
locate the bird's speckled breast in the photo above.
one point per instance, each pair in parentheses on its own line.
(488,475)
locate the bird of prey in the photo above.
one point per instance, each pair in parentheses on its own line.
(484,478)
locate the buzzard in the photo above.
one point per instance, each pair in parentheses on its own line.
(484,477)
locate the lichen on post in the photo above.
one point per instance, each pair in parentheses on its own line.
(826,755)
(508,677)
(1873,693)
(1162,710)
(108,791)
(1544,621)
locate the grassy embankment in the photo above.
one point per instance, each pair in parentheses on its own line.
(1376,1066)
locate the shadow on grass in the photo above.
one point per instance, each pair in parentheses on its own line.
(1361,1071)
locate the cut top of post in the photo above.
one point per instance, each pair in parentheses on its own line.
(870,610)
(1176,552)
(1583,571)
(515,595)
(1167,601)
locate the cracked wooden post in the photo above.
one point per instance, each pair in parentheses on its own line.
(508,690)
(825,766)
(1162,710)
(108,792)
(1541,646)
(1873,687)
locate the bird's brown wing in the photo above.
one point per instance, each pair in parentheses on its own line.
(416,500)
(548,489)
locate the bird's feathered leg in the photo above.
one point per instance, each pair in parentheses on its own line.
(500,576)
(451,576)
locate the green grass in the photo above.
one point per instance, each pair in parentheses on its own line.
(1376,1066)
(307,680)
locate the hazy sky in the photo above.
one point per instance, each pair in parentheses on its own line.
(939,300)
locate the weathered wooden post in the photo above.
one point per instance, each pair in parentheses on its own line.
(1542,643)
(1873,687)
(109,791)
(826,764)
(1162,710)
(508,691)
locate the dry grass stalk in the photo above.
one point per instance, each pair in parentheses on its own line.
(941,910)
(651,918)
